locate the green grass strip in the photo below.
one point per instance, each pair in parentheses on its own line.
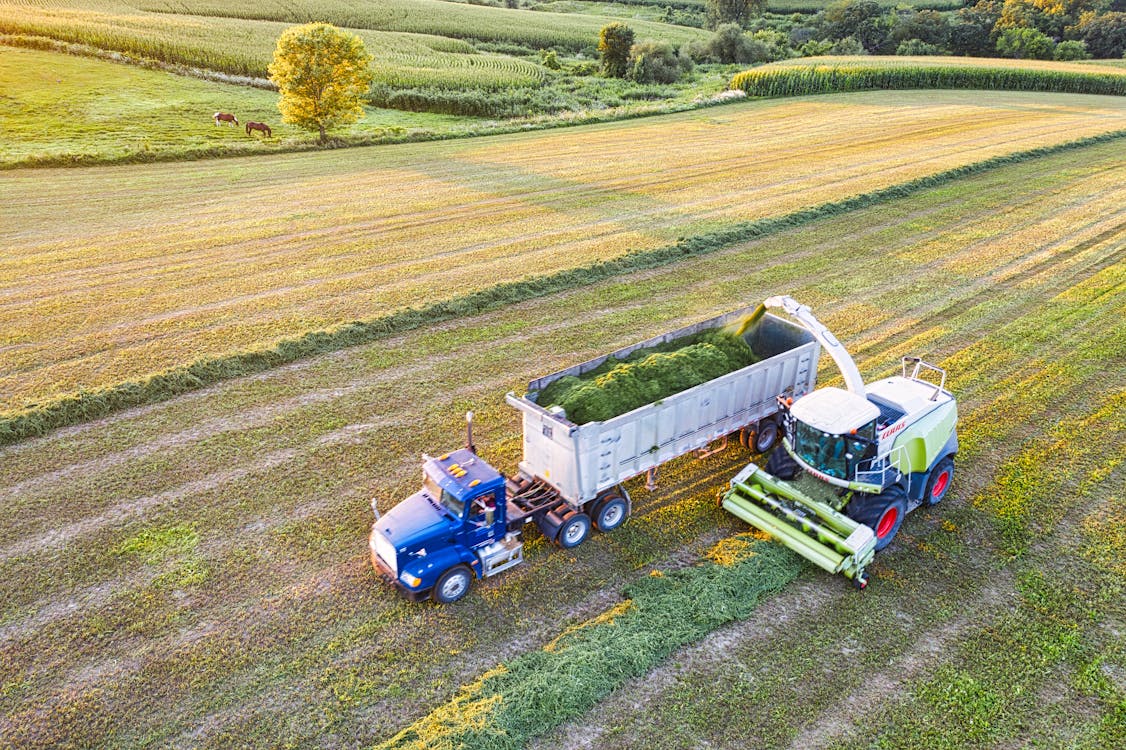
(830,79)
(38,419)
(540,690)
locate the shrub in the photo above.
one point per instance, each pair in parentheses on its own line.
(1071,50)
(916,47)
(614,43)
(732,11)
(1025,44)
(729,45)
(549,59)
(848,46)
(653,62)
(816,48)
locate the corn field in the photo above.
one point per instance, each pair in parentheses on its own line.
(798,80)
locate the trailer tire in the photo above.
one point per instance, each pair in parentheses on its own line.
(766,436)
(574,531)
(452,585)
(938,483)
(611,513)
(781,464)
(883,513)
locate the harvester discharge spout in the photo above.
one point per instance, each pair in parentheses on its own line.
(817,532)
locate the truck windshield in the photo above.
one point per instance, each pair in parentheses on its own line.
(452,504)
(835,455)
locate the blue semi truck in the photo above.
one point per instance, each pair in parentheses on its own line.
(467,520)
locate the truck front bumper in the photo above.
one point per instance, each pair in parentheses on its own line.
(388,576)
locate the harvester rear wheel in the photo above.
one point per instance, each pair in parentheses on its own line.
(939,482)
(781,465)
(883,513)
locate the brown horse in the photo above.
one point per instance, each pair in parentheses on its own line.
(226,117)
(260,126)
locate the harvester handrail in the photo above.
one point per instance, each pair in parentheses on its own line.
(919,366)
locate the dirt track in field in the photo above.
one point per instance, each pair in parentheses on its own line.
(200,259)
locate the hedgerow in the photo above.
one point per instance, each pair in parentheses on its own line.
(92,404)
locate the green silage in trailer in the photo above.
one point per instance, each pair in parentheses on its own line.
(620,386)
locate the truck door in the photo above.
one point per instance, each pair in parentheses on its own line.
(481,520)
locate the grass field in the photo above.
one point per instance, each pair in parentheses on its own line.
(60,107)
(415,42)
(246,47)
(174,262)
(195,573)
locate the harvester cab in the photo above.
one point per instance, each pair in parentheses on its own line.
(882,450)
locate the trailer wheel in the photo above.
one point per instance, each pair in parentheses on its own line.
(781,465)
(883,513)
(452,585)
(610,513)
(766,435)
(574,531)
(939,482)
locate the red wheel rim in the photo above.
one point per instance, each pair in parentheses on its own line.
(887,522)
(940,484)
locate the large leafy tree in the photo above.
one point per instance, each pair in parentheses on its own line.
(732,11)
(614,43)
(321,73)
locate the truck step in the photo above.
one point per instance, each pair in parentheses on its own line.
(501,555)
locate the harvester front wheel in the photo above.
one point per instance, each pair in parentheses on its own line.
(883,513)
(939,482)
(781,465)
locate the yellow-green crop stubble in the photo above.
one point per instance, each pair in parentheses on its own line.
(219,537)
(153,266)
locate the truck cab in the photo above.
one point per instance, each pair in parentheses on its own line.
(453,528)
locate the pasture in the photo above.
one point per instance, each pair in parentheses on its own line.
(60,108)
(195,573)
(153,266)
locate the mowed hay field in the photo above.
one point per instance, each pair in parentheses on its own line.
(195,573)
(152,266)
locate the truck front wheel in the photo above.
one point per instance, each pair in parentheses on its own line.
(452,585)
(883,513)
(574,531)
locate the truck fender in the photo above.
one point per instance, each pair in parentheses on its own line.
(434,564)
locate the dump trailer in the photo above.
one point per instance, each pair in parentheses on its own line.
(467,520)
(868,455)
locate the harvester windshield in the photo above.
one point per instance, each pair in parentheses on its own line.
(835,455)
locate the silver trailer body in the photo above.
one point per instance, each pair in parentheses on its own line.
(581,461)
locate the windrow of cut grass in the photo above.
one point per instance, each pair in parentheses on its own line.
(245,47)
(195,262)
(835,75)
(220,537)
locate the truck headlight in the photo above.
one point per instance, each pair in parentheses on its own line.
(412,581)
